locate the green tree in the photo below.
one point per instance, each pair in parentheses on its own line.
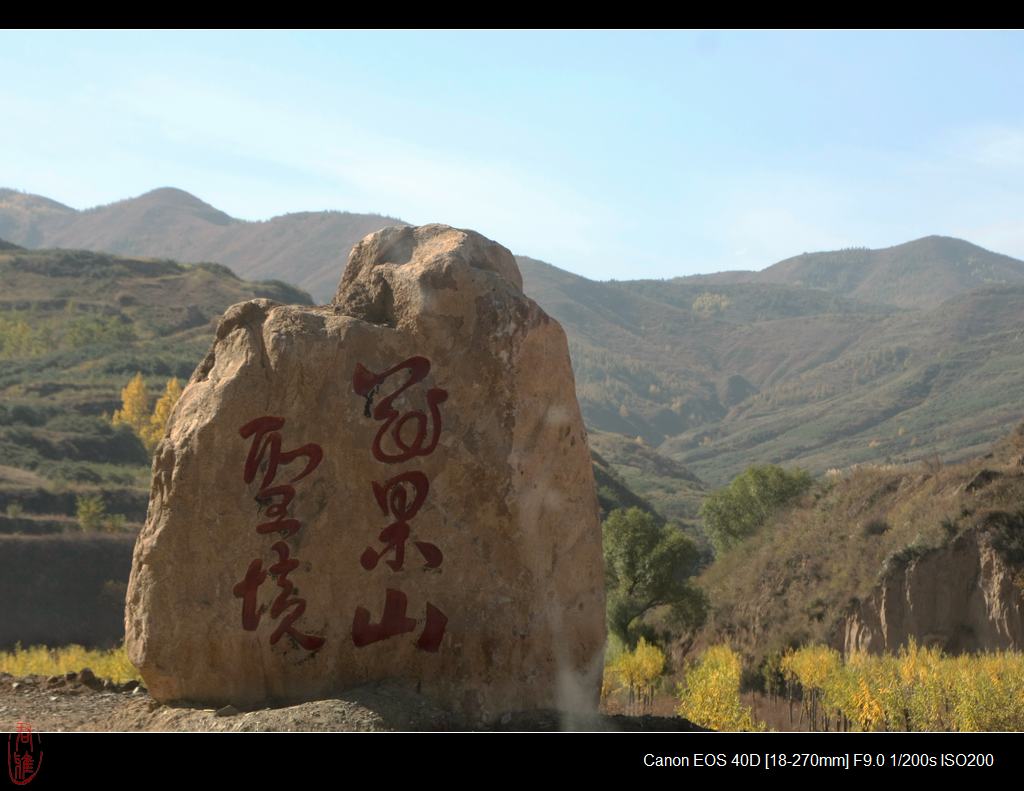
(647,565)
(90,511)
(738,510)
(114,523)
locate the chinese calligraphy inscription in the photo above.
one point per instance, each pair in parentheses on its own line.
(401,496)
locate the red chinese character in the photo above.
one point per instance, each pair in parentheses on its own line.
(433,631)
(23,766)
(265,437)
(258,429)
(395,622)
(24,758)
(282,602)
(366,383)
(278,510)
(393,498)
(246,591)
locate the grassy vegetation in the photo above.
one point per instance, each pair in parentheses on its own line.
(76,331)
(670,488)
(612,491)
(794,581)
(737,511)
(25,334)
(75,327)
(720,375)
(43,661)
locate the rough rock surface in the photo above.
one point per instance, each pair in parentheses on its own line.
(964,597)
(69,705)
(396,486)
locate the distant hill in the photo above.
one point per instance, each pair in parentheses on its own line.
(26,218)
(823,360)
(666,486)
(722,376)
(308,249)
(75,326)
(922,273)
(943,381)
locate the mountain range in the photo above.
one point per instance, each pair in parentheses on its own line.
(171,223)
(822,360)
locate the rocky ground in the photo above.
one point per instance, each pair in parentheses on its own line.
(81,702)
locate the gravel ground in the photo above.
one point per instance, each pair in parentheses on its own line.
(81,702)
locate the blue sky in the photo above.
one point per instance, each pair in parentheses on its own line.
(611,154)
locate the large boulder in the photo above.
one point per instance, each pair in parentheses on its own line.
(395,486)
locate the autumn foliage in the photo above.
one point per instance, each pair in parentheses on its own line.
(918,689)
(638,673)
(134,412)
(710,695)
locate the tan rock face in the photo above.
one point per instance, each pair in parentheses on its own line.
(962,598)
(395,486)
